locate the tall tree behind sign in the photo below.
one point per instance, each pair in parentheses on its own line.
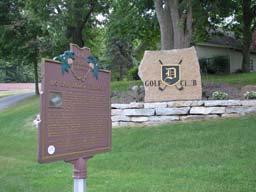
(73,16)
(131,28)
(175,20)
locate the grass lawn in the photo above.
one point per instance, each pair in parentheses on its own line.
(124,85)
(208,156)
(235,78)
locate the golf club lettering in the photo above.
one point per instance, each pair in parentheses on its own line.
(170,76)
(158,83)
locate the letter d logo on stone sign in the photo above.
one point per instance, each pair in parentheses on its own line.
(170,74)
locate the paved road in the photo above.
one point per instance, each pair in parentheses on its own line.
(13,99)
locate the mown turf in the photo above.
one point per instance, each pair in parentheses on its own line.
(216,155)
(124,85)
(234,78)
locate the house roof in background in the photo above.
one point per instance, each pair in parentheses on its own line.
(224,40)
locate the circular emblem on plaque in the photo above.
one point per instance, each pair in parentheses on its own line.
(51,150)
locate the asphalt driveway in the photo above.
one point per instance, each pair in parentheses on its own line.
(6,102)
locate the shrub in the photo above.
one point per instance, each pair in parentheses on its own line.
(215,65)
(133,74)
(250,95)
(219,95)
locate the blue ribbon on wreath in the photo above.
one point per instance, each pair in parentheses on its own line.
(92,61)
(63,58)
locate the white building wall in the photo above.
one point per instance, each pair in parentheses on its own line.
(210,51)
(236,59)
(207,51)
(253,57)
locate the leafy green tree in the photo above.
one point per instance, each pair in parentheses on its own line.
(32,29)
(209,16)
(243,14)
(20,36)
(182,22)
(71,17)
(131,28)
(175,20)
(243,22)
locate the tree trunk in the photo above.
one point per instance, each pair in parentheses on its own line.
(247,35)
(182,24)
(246,60)
(189,23)
(76,34)
(165,23)
(75,30)
(166,36)
(36,77)
(175,24)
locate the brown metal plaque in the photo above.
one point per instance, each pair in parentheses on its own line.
(75,110)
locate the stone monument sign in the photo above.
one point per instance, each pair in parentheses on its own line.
(171,75)
(75,108)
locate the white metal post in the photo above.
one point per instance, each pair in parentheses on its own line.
(79,173)
(79,185)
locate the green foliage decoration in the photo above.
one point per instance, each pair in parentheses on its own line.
(63,58)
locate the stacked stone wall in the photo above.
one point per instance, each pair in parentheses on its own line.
(141,114)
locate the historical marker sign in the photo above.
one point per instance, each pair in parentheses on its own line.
(75,110)
(171,75)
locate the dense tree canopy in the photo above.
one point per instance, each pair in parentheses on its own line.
(19,37)
(131,29)
(30,30)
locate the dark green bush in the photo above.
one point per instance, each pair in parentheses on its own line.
(133,74)
(215,65)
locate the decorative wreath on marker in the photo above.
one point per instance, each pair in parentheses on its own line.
(67,59)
